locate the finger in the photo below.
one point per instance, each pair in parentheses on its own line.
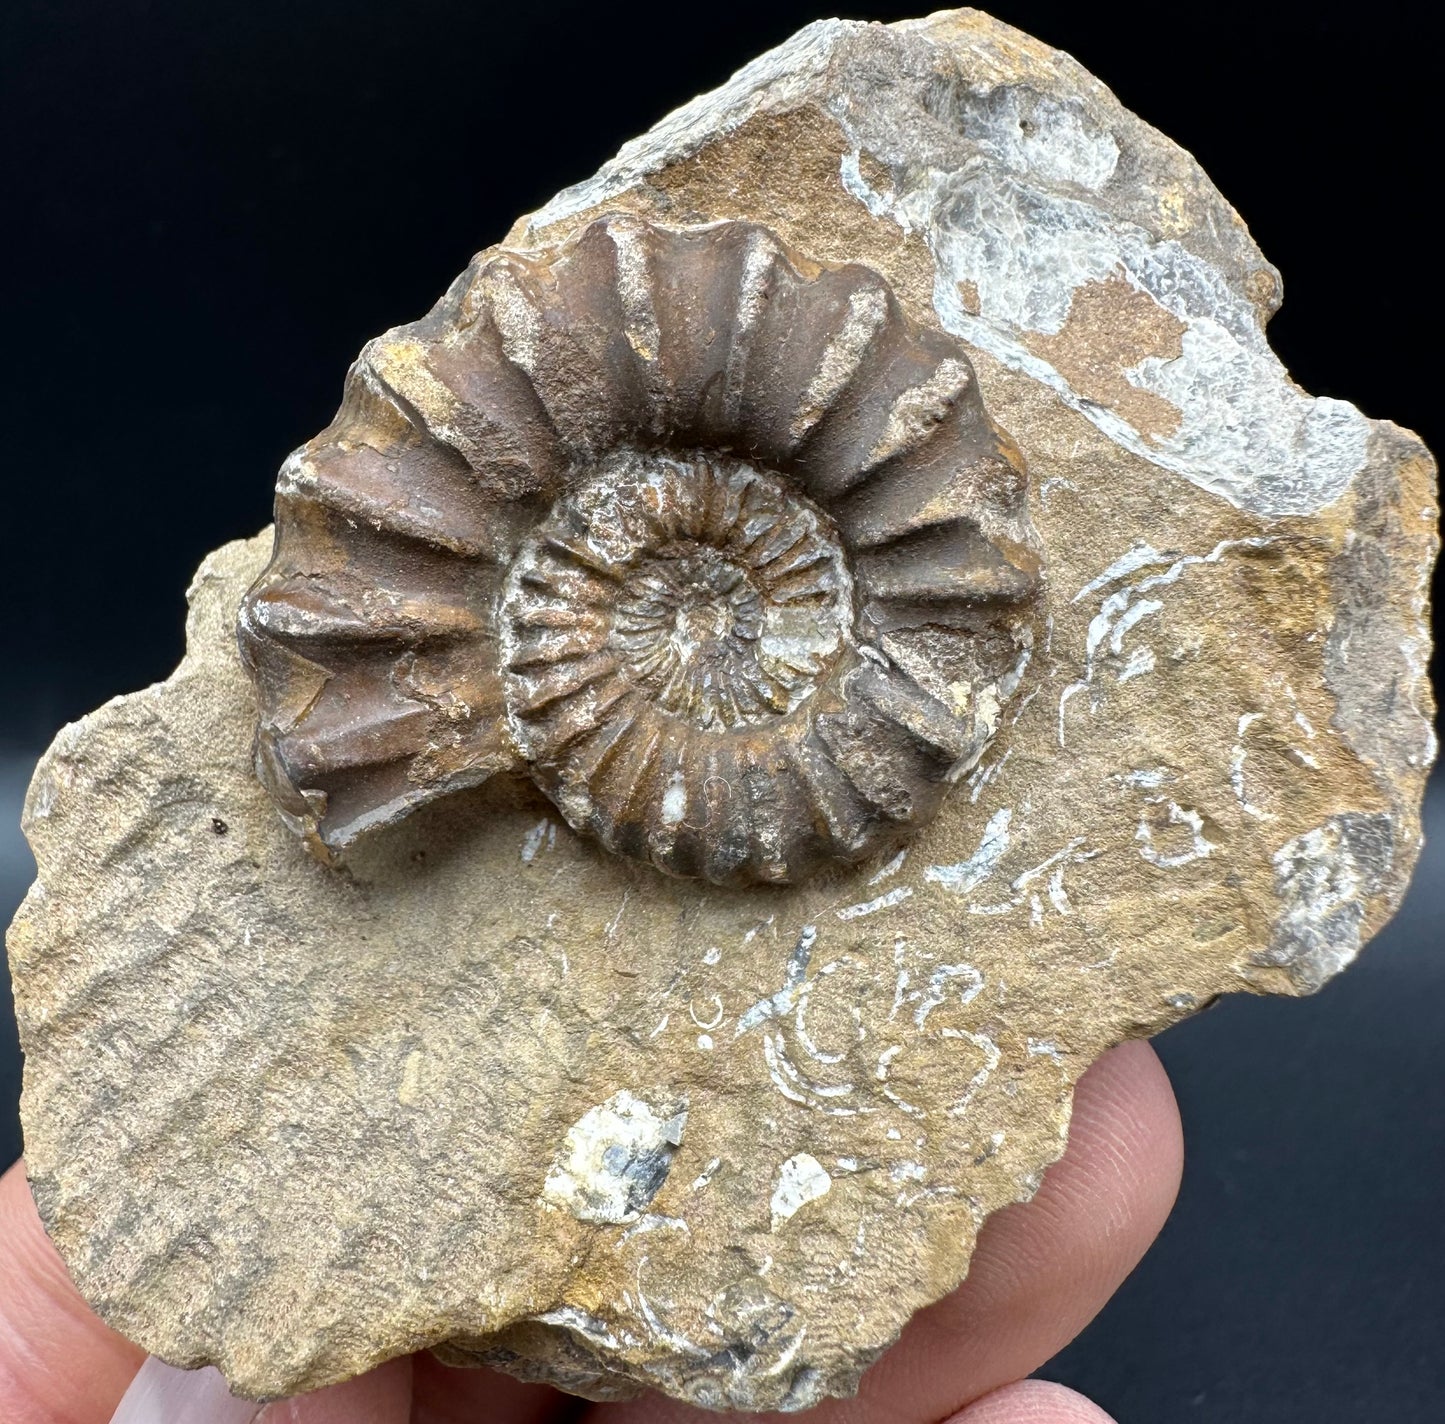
(1032,1402)
(466,1396)
(1041,1271)
(59,1364)
(1044,1269)
(160,1394)
(383,1396)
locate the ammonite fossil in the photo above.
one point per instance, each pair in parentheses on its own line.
(707,538)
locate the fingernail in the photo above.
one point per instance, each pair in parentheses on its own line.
(160,1394)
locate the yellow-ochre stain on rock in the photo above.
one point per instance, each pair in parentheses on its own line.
(1112,326)
(409,1091)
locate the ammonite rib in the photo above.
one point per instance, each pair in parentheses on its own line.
(708,539)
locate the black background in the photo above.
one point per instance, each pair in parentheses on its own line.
(205,209)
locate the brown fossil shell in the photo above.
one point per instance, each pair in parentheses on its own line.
(709,539)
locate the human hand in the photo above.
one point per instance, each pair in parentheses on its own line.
(1041,1272)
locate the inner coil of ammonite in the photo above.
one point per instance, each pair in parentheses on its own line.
(661,629)
(709,540)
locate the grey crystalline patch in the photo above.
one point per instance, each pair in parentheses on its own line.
(1324,879)
(1027,247)
(1028,197)
(1034,134)
(615,1158)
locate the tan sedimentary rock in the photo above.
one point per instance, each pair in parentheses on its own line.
(489,1087)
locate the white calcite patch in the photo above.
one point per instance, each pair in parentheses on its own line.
(614,1158)
(964,875)
(801,1179)
(1322,878)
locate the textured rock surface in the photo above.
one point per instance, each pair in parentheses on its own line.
(493,1089)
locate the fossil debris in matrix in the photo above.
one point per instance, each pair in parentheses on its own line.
(828,626)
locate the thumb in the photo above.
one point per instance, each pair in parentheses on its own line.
(59,1363)
(162,1395)
(1032,1402)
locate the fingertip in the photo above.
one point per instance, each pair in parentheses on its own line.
(1126,1109)
(59,1362)
(161,1394)
(1104,1201)
(1032,1402)
(382,1396)
(1115,1190)
(1043,1269)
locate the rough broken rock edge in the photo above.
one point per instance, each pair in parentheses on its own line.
(490,1090)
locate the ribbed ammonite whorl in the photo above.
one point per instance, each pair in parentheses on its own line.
(709,539)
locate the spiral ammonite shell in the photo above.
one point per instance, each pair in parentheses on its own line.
(707,538)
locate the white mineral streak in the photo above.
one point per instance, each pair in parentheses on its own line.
(1237,758)
(1024,886)
(962,877)
(890,869)
(963,979)
(542,836)
(1121,610)
(881,902)
(1195,845)
(787,996)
